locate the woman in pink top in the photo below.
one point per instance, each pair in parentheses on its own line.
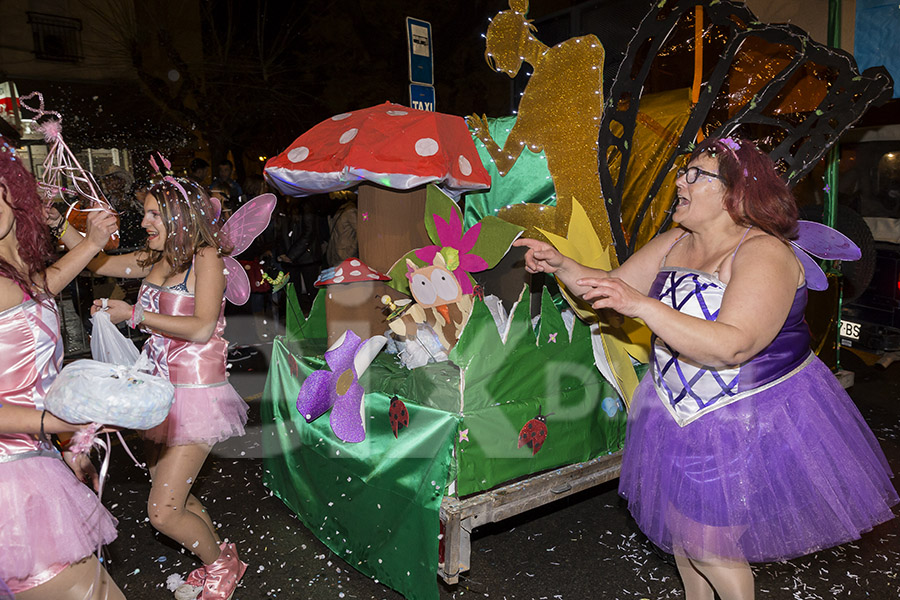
(50,522)
(181,306)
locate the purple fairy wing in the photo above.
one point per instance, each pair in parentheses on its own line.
(824,242)
(248,222)
(237,284)
(815,278)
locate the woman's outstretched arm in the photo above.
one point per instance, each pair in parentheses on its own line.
(209,269)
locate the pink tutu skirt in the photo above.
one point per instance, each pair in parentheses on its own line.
(48,519)
(785,472)
(202,415)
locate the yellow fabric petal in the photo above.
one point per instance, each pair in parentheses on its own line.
(620,343)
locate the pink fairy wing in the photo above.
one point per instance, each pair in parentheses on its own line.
(237,284)
(248,222)
(241,229)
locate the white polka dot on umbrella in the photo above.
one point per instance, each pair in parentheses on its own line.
(298,154)
(427,147)
(465,167)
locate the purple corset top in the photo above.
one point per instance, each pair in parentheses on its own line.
(690,389)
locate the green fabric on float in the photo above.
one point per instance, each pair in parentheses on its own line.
(528,181)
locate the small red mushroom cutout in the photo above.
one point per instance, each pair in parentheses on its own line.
(534,433)
(398,414)
(352,270)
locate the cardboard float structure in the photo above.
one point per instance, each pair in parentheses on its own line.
(385,493)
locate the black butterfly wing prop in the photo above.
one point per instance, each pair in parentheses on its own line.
(769,83)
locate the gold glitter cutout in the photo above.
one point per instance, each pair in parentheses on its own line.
(559,113)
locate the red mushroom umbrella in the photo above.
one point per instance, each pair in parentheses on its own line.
(390,145)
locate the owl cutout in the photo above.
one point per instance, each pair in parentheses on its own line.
(439,301)
(435,285)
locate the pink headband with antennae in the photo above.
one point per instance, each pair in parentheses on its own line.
(167,176)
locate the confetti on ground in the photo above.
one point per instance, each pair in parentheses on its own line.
(583,546)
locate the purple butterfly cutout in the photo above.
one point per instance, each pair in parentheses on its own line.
(241,229)
(339,390)
(822,242)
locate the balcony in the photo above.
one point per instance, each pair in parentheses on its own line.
(56,38)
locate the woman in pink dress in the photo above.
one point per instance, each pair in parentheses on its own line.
(181,306)
(50,522)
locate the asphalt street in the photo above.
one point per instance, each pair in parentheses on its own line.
(581,547)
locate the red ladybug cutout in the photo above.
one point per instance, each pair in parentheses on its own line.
(534,433)
(295,368)
(398,414)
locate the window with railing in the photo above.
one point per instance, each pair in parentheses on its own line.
(55,37)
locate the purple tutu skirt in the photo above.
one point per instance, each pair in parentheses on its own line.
(48,519)
(785,472)
(202,415)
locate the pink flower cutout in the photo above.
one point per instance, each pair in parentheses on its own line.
(450,235)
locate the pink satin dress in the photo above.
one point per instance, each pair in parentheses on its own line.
(207,409)
(48,519)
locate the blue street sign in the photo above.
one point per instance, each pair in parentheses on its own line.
(421,97)
(418,36)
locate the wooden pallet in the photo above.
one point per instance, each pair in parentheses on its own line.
(459,516)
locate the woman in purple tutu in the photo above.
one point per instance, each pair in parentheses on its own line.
(741,445)
(181,306)
(50,522)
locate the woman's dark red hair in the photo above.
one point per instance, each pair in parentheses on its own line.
(32,234)
(755,193)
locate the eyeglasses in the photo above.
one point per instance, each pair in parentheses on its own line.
(692,173)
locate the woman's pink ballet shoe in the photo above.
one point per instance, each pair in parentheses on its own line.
(192,586)
(222,576)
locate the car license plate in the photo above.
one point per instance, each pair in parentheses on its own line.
(850,330)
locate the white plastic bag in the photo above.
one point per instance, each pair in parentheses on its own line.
(108,344)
